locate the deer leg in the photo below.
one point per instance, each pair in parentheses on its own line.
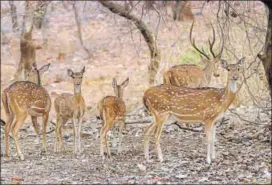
(45,121)
(75,135)
(78,135)
(10,119)
(20,118)
(101,141)
(57,137)
(36,128)
(160,122)
(121,127)
(105,139)
(62,148)
(149,130)
(208,132)
(213,140)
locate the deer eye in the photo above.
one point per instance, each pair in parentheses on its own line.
(228,69)
(238,69)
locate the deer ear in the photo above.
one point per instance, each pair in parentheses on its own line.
(70,72)
(44,68)
(224,64)
(114,83)
(125,83)
(83,70)
(241,61)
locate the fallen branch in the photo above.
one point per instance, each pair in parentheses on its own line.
(185,128)
(241,117)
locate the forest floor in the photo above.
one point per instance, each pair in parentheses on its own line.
(243,155)
(243,148)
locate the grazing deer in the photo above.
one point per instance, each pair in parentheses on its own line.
(112,109)
(70,106)
(24,98)
(204,104)
(190,75)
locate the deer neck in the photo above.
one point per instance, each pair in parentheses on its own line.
(230,91)
(77,93)
(39,78)
(208,71)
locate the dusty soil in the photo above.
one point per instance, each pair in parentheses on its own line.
(243,156)
(243,147)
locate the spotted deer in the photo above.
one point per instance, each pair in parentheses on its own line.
(205,105)
(70,106)
(23,98)
(112,109)
(190,75)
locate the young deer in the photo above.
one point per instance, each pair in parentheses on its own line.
(190,75)
(205,105)
(70,106)
(112,109)
(24,98)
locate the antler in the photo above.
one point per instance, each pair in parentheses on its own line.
(193,43)
(213,41)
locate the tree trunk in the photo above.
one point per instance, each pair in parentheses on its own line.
(13,13)
(39,13)
(146,33)
(266,57)
(27,48)
(79,29)
(182,11)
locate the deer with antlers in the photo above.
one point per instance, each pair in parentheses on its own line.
(190,75)
(23,98)
(112,109)
(70,106)
(203,105)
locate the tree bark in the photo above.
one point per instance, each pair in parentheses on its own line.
(13,13)
(182,11)
(146,33)
(266,57)
(39,13)
(79,30)
(27,48)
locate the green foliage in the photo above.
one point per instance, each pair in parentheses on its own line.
(190,56)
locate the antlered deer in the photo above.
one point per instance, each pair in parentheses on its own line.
(24,98)
(70,106)
(204,104)
(112,109)
(190,75)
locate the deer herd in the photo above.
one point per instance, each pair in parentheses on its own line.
(185,96)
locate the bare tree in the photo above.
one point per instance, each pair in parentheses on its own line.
(182,11)
(13,13)
(39,13)
(79,29)
(27,47)
(146,33)
(266,57)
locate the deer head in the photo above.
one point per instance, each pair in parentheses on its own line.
(213,60)
(36,73)
(235,73)
(77,78)
(119,89)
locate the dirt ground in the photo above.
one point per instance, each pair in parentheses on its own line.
(243,155)
(243,143)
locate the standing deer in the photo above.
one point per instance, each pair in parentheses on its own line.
(112,109)
(204,104)
(24,98)
(70,106)
(190,75)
